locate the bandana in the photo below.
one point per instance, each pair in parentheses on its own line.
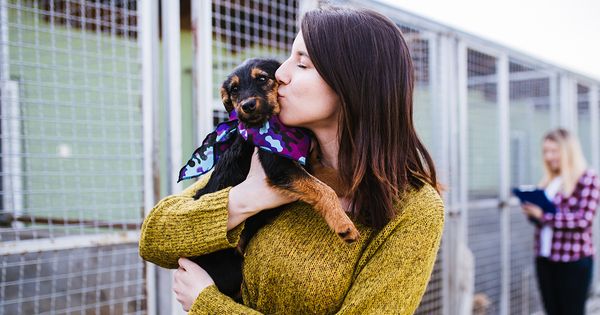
(273,136)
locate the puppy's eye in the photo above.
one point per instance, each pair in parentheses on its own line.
(262,79)
(234,89)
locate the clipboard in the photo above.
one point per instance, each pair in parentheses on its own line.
(535,196)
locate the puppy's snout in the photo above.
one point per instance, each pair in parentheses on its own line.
(249,106)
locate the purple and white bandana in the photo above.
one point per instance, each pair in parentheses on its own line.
(273,136)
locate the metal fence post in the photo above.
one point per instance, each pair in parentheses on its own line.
(568,103)
(172,84)
(504,193)
(202,68)
(148,37)
(595,164)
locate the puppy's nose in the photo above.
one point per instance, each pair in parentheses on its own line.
(249,106)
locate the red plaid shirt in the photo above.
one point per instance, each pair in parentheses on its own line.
(572,223)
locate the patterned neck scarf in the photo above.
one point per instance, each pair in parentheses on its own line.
(273,136)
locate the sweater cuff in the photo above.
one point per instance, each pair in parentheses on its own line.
(218,201)
(212,301)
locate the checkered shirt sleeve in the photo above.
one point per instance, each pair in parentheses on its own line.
(572,223)
(577,211)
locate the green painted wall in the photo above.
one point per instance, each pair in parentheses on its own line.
(81,120)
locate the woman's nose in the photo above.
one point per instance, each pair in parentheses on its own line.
(280,75)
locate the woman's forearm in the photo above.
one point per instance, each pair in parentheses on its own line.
(253,195)
(250,197)
(240,206)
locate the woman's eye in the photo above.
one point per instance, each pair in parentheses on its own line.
(301,66)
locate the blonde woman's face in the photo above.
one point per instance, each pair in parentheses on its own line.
(551,152)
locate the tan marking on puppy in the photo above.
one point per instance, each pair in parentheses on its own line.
(272,99)
(256,72)
(235,80)
(226,100)
(325,201)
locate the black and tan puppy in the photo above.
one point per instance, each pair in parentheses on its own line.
(251,91)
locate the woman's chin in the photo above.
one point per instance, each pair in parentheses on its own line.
(285,119)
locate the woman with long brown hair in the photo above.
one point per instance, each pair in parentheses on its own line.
(350,81)
(563,240)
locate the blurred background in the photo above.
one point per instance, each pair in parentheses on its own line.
(102,102)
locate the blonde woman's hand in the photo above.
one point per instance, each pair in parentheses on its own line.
(532,210)
(188,281)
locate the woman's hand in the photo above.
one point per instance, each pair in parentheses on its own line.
(532,210)
(253,195)
(188,281)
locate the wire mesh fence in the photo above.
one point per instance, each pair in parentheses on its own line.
(531,114)
(71,194)
(250,29)
(71,158)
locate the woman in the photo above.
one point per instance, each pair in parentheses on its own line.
(564,249)
(350,81)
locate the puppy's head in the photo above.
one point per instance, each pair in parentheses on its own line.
(251,90)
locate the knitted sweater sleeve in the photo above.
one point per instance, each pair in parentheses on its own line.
(394,278)
(180,226)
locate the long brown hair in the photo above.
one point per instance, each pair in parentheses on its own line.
(363,56)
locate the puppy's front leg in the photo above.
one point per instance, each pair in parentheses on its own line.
(291,179)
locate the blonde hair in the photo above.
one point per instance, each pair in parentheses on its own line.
(572,161)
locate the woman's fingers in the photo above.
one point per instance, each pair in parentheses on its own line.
(185,263)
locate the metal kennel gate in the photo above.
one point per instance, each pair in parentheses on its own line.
(81,161)
(72,151)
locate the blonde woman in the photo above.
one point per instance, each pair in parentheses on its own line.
(563,241)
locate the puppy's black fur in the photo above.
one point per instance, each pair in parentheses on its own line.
(251,90)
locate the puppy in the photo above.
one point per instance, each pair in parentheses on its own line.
(250,94)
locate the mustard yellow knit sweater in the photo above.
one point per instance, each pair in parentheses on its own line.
(296,264)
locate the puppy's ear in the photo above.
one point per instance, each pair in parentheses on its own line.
(226,98)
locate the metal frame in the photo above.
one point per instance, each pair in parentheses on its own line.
(11,126)
(504,193)
(595,163)
(13,137)
(12,179)
(4,52)
(595,127)
(568,102)
(148,37)
(172,82)
(22,247)
(504,196)
(202,68)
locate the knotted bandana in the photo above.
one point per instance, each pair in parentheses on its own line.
(273,136)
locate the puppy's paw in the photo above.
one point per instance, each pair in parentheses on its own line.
(345,229)
(349,234)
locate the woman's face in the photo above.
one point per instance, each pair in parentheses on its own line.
(551,152)
(306,100)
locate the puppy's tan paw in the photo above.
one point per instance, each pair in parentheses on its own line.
(348,233)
